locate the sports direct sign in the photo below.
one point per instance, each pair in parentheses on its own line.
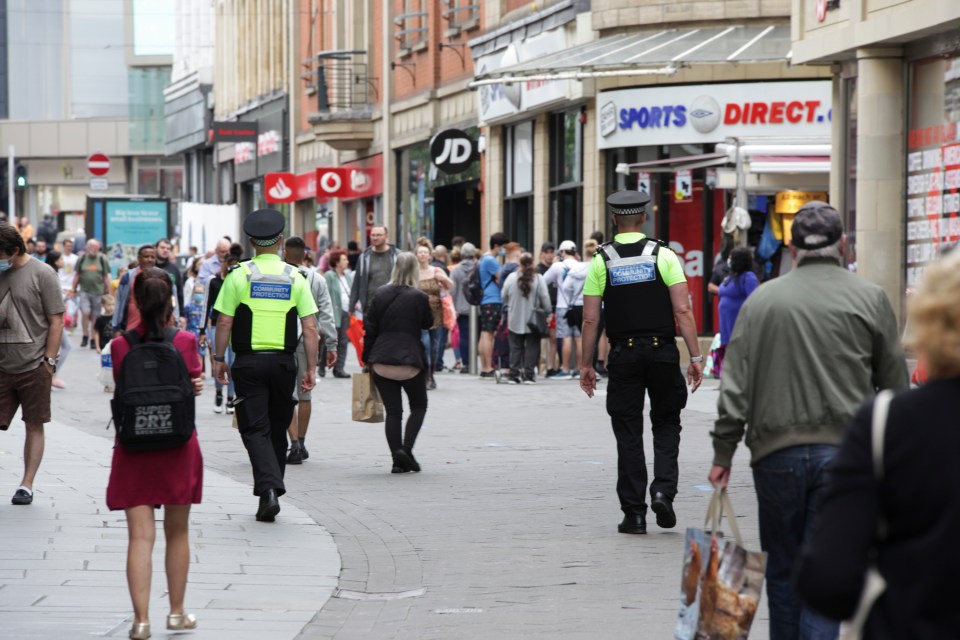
(712,113)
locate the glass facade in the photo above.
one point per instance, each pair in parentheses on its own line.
(933,162)
(145,108)
(566,176)
(518,183)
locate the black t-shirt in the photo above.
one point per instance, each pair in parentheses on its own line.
(551,288)
(102,327)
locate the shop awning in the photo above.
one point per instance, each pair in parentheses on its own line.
(652,52)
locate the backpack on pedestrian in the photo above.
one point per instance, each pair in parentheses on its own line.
(153,405)
(473,288)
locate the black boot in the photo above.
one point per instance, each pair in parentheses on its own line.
(431,383)
(269,506)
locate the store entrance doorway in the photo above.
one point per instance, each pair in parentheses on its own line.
(456,211)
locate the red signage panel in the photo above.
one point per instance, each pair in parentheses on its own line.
(360,179)
(279,187)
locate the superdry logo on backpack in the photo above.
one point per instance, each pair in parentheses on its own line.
(153,420)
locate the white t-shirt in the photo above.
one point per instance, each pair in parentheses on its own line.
(569,276)
(68,271)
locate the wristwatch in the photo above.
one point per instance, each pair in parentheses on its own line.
(695,359)
(51,361)
(219,359)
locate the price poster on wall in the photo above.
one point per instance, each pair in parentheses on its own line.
(684,186)
(643,182)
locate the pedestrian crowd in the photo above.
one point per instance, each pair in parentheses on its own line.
(842,496)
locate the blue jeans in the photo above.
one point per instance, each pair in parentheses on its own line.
(790,484)
(466,349)
(212,340)
(432,344)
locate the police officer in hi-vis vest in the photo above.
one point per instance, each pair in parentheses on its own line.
(643,289)
(259,305)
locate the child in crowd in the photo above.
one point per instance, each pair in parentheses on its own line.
(101,328)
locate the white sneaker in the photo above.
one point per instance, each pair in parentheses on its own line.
(218,403)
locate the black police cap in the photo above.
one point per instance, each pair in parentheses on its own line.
(628,203)
(264,224)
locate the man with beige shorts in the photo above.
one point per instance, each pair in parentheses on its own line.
(294,253)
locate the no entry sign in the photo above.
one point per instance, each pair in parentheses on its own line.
(98,164)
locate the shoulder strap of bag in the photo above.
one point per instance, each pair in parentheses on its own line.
(878,432)
(719,502)
(881,407)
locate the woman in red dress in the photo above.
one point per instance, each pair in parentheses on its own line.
(141,481)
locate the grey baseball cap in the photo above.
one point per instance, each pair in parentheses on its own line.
(816,225)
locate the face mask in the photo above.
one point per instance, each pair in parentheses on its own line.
(503,252)
(5,265)
(197,299)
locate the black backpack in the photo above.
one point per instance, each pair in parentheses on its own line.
(473,288)
(153,404)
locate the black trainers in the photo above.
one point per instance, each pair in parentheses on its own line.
(93,345)
(84,342)
(304,454)
(22,496)
(513,380)
(230,405)
(218,402)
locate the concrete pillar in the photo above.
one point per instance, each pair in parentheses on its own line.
(880,170)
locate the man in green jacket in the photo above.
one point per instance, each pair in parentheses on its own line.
(807,349)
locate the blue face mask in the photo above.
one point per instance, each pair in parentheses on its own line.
(503,251)
(5,265)
(198,299)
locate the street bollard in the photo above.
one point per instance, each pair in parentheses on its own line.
(474,338)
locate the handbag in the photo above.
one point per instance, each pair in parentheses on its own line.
(721,581)
(575,316)
(449,311)
(367,406)
(874,585)
(537,323)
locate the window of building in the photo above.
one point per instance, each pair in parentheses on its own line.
(933,162)
(518,183)
(566,176)
(461,14)
(412,25)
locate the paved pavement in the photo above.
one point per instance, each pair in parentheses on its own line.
(509,531)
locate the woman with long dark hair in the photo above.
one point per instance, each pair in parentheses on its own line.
(524,293)
(140,481)
(740,282)
(393,350)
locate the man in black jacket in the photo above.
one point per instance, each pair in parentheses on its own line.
(164,248)
(373,269)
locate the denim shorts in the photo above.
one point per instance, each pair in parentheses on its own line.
(564,330)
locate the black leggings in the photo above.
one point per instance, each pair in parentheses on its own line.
(416,389)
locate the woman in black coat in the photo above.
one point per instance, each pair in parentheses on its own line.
(917,496)
(393,350)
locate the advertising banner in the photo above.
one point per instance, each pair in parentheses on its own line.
(690,114)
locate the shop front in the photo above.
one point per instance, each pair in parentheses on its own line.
(933,161)
(438,188)
(253,160)
(358,187)
(701,150)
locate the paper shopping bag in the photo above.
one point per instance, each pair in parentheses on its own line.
(721,581)
(367,406)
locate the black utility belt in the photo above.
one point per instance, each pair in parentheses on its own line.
(643,341)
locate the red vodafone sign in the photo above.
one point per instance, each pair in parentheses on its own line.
(98,164)
(360,179)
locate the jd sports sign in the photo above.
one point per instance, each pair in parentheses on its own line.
(453,151)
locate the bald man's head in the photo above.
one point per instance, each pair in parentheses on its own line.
(223,247)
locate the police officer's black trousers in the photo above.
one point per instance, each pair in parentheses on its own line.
(265,385)
(634,371)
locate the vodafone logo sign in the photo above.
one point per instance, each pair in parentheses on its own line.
(344,182)
(329,182)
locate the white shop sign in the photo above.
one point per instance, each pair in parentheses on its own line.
(686,114)
(500,101)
